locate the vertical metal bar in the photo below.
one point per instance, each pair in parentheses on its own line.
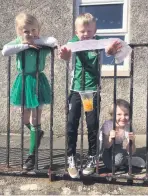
(147,131)
(74,14)
(82,117)
(131,110)
(81,145)
(51,108)
(37,93)
(98,110)
(114,117)
(22,108)
(66,112)
(8,110)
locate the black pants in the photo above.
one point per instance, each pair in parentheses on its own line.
(73,124)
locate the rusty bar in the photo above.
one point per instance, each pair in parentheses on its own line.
(114,117)
(131,110)
(147,132)
(81,144)
(51,108)
(37,109)
(138,45)
(82,117)
(98,110)
(8,110)
(66,112)
(22,108)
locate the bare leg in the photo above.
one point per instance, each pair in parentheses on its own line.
(26,120)
(33,117)
(27,113)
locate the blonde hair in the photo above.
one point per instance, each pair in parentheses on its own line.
(85,18)
(121,103)
(24,18)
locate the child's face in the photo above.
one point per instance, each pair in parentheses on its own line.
(85,31)
(28,31)
(122,116)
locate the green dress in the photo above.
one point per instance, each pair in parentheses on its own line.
(31,99)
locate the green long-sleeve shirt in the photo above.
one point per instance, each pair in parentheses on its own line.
(30,58)
(90,63)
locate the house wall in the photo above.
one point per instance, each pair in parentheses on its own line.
(56,18)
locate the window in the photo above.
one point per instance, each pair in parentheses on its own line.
(112,21)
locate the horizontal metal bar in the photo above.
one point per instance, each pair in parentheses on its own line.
(59,175)
(138,45)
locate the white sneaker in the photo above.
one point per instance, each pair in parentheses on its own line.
(90,166)
(72,170)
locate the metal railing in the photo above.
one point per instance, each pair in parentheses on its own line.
(63,174)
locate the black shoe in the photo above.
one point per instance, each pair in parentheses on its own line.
(29,163)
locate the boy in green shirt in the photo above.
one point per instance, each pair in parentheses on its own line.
(85,29)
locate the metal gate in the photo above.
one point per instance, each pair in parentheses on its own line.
(56,160)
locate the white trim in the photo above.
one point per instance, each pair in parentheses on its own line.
(111,31)
(125,16)
(128,18)
(99,2)
(108,70)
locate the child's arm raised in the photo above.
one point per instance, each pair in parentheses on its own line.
(113,48)
(64,53)
(15,47)
(108,139)
(46,41)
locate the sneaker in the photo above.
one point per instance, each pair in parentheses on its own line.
(136,162)
(29,163)
(72,170)
(90,166)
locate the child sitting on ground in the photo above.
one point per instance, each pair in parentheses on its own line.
(121,134)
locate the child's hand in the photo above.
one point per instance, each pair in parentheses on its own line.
(113,48)
(112,135)
(131,136)
(64,53)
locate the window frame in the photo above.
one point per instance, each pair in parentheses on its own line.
(108,70)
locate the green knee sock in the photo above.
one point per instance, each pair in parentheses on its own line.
(33,131)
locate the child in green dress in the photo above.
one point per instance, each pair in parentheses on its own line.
(27,29)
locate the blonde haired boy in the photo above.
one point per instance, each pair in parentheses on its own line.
(85,29)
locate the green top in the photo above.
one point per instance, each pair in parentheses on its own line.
(89,59)
(30,58)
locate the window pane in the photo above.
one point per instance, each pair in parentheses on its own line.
(110,60)
(107,16)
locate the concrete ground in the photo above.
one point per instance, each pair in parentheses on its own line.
(18,185)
